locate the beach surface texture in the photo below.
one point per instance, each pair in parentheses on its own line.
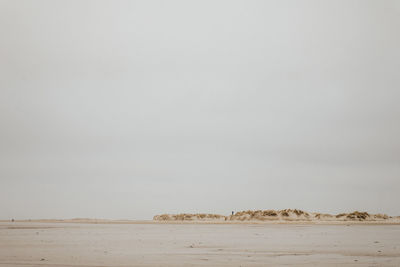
(196,240)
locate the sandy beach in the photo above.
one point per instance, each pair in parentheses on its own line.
(197,244)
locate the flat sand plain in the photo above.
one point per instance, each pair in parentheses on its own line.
(25,244)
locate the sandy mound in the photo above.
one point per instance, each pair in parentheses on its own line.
(263,215)
(299,215)
(278,215)
(189,217)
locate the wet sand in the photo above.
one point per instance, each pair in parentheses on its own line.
(163,244)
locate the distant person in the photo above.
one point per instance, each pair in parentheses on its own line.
(232,213)
(12,220)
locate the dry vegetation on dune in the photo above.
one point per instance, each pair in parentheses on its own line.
(263,215)
(274,215)
(362,216)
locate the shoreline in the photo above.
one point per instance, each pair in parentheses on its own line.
(287,222)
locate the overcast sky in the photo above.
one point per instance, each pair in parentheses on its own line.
(127,109)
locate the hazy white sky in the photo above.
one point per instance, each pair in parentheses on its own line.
(127,109)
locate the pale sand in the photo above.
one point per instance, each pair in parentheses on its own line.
(194,244)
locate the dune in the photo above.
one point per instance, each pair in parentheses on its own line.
(190,217)
(286,215)
(247,216)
